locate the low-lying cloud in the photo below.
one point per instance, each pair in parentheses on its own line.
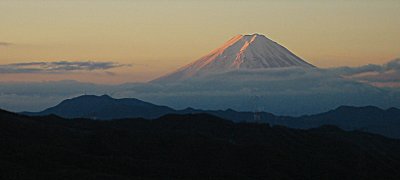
(5,44)
(57,67)
(385,75)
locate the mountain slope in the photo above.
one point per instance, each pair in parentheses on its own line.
(241,52)
(187,147)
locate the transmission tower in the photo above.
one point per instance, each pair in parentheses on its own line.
(257,109)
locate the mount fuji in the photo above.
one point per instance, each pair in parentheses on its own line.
(247,73)
(252,72)
(242,52)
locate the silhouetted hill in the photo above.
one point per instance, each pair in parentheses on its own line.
(369,118)
(191,146)
(104,107)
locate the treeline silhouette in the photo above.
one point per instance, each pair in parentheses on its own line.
(195,146)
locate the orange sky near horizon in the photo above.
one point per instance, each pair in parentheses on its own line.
(159,36)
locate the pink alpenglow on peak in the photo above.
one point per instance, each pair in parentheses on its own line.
(241,52)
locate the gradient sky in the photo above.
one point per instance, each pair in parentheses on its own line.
(159,36)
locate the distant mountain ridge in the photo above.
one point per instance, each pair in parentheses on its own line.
(368,118)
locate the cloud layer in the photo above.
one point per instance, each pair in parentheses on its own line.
(385,75)
(5,44)
(289,91)
(57,67)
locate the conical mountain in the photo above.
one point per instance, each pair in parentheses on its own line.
(241,52)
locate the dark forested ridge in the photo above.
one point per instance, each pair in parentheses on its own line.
(196,146)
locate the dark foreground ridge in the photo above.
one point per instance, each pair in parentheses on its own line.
(197,146)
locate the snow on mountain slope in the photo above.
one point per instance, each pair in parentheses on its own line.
(241,52)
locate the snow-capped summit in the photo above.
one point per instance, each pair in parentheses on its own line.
(241,52)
